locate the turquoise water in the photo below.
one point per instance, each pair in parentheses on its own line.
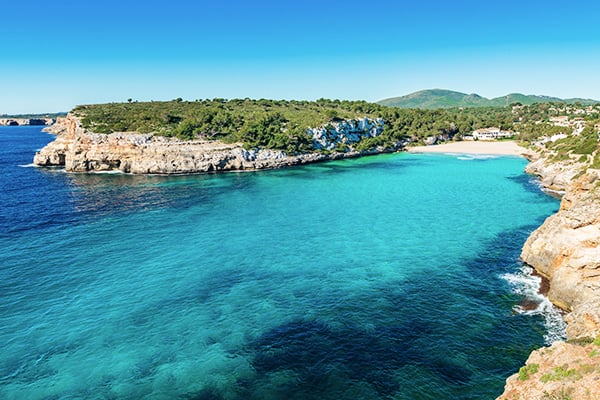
(387,277)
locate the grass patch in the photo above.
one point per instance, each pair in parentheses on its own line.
(584,143)
(560,374)
(586,368)
(596,162)
(527,370)
(582,341)
(561,394)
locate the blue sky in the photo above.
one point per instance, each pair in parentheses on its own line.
(57,54)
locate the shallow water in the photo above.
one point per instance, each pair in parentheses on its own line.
(394,276)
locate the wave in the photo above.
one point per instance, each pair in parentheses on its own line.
(111,172)
(557,194)
(471,157)
(30,165)
(524,283)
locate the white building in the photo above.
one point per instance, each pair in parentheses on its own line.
(491,134)
(563,120)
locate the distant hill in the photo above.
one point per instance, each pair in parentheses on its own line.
(440,98)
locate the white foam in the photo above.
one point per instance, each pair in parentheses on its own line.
(111,172)
(554,193)
(525,284)
(471,157)
(31,165)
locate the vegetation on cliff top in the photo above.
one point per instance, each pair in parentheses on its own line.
(257,123)
(281,124)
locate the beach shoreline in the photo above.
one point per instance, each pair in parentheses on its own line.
(471,147)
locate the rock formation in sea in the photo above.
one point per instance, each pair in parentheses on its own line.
(26,121)
(566,250)
(81,151)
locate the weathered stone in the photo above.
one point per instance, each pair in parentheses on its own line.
(26,121)
(565,250)
(561,371)
(81,151)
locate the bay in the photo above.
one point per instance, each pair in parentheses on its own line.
(393,276)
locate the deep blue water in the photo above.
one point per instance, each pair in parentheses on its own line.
(394,276)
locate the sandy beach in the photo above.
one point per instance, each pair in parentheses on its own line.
(468,147)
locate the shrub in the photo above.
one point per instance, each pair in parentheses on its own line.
(527,370)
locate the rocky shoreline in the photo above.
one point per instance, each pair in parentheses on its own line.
(565,250)
(81,151)
(26,121)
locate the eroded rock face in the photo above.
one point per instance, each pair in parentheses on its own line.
(81,151)
(345,132)
(554,175)
(566,250)
(25,121)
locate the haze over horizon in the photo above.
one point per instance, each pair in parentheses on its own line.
(62,55)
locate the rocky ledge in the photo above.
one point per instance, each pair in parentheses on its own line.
(81,151)
(26,121)
(565,250)
(562,371)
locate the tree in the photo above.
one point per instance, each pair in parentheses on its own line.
(332,114)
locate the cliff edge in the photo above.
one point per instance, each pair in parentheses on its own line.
(81,151)
(565,249)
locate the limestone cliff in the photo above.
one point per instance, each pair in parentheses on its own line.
(26,121)
(565,249)
(81,151)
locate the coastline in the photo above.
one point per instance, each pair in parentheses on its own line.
(78,150)
(564,251)
(506,148)
(557,250)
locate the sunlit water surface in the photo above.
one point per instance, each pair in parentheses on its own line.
(387,277)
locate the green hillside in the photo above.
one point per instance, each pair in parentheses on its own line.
(436,98)
(440,98)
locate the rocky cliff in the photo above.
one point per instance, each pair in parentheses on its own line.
(565,250)
(26,121)
(560,372)
(81,151)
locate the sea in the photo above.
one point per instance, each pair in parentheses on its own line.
(386,277)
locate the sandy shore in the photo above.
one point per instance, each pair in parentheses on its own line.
(468,147)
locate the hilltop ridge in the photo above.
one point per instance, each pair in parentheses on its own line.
(442,98)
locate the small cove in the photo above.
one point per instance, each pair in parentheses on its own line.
(380,277)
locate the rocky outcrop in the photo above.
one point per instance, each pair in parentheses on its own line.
(59,126)
(332,135)
(26,121)
(81,151)
(566,251)
(561,371)
(557,176)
